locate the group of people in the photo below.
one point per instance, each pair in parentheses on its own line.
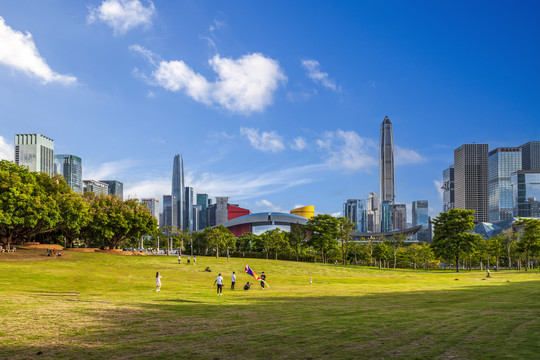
(219,283)
(188,259)
(52,252)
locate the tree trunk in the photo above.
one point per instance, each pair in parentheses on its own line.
(217,252)
(395,258)
(457,263)
(487,263)
(527,259)
(276,254)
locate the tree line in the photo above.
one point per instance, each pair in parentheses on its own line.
(37,207)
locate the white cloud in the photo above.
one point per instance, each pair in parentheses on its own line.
(438,185)
(6,150)
(107,171)
(122,15)
(148,188)
(244,85)
(336,214)
(267,141)
(19,52)
(299,143)
(268,205)
(407,156)
(314,73)
(348,150)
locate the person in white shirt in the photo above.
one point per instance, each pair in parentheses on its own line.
(233,280)
(158,281)
(219,281)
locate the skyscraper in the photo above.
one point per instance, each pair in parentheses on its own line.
(178,189)
(169,212)
(526,193)
(502,162)
(116,188)
(153,207)
(70,167)
(202,201)
(188,208)
(97,187)
(448,188)
(530,155)
(471,179)
(420,216)
(373,221)
(386,162)
(36,152)
(354,210)
(399,217)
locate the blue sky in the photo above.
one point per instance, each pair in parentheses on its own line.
(275,104)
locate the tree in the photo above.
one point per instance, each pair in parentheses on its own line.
(219,237)
(322,233)
(395,242)
(453,235)
(344,232)
(245,241)
(509,239)
(413,252)
(297,238)
(75,214)
(381,252)
(529,243)
(278,240)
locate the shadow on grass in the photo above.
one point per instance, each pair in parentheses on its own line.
(476,322)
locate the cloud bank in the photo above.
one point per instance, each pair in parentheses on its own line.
(267,141)
(243,85)
(6,150)
(313,71)
(348,150)
(18,51)
(122,15)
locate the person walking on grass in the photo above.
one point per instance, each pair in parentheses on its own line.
(263,277)
(219,282)
(158,281)
(179,258)
(233,280)
(194,260)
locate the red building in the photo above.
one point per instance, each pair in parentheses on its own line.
(234,212)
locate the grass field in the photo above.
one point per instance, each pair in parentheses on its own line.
(86,305)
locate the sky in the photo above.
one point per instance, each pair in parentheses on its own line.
(276,104)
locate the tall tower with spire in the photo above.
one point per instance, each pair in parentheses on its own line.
(178,189)
(386,163)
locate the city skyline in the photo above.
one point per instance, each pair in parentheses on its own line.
(107,92)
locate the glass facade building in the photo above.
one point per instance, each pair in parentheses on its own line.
(188,208)
(448,188)
(387,220)
(116,188)
(354,210)
(386,162)
(420,216)
(530,155)
(169,212)
(502,162)
(70,167)
(153,207)
(36,152)
(178,190)
(202,201)
(373,213)
(526,193)
(97,187)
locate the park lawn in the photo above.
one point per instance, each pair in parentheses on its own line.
(93,305)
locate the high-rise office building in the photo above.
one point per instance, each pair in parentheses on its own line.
(202,201)
(526,193)
(36,152)
(178,190)
(471,179)
(169,212)
(188,208)
(116,188)
(218,213)
(354,210)
(530,155)
(387,217)
(420,216)
(448,188)
(70,167)
(502,162)
(97,187)
(399,216)
(197,217)
(386,162)
(153,207)
(373,218)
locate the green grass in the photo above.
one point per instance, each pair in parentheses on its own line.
(103,306)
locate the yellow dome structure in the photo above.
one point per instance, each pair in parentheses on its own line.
(305,211)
